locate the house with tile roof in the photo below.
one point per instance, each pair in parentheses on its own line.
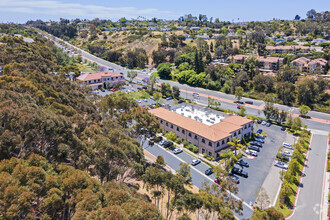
(287,49)
(205,128)
(306,65)
(101,79)
(268,63)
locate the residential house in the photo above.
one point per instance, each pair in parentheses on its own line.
(210,134)
(194,28)
(101,79)
(287,49)
(268,63)
(306,65)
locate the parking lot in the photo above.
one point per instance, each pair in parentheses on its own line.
(260,165)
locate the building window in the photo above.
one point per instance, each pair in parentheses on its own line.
(203,150)
(227,140)
(196,137)
(203,140)
(182,131)
(167,124)
(245,127)
(210,154)
(234,133)
(218,144)
(239,131)
(249,125)
(223,141)
(210,143)
(177,128)
(171,126)
(161,121)
(189,134)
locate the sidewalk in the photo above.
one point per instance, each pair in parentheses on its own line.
(325,197)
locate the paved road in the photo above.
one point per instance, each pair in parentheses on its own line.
(309,199)
(320,121)
(197,172)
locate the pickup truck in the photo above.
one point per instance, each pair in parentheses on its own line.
(239,172)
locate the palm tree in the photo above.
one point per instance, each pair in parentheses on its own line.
(236,144)
(153,80)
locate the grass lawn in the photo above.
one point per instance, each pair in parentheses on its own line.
(139,95)
(83,68)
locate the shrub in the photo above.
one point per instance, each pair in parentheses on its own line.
(171,136)
(178,141)
(185,142)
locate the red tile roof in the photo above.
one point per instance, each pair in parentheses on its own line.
(213,133)
(99,75)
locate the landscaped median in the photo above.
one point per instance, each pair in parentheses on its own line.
(292,177)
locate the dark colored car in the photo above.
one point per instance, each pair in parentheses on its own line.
(234,178)
(249,102)
(180,101)
(255,148)
(209,171)
(260,136)
(256,143)
(239,172)
(259,131)
(283,128)
(243,163)
(259,121)
(144,87)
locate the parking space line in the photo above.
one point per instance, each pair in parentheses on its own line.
(233,195)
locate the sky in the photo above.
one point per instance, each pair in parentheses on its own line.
(20,11)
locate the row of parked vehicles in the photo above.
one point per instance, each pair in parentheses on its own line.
(284,156)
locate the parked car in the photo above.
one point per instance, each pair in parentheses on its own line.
(209,171)
(259,121)
(239,172)
(288,146)
(268,124)
(287,153)
(139,101)
(169,98)
(280,164)
(151,97)
(283,128)
(180,101)
(144,87)
(177,150)
(103,90)
(234,178)
(263,123)
(195,162)
(259,131)
(238,106)
(249,102)
(256,143)
(259,140)
(283,157)
(252,152)
(115,89)
(243,163)
(260,136)
(255,148)
(145,100)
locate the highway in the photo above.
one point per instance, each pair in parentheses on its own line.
(319,120)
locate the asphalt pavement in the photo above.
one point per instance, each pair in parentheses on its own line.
(309,199)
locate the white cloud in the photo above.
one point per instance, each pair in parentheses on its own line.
(44,7)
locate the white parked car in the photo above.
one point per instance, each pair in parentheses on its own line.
(280,164)
(252,152)
(139,101)
(288,146)
(177,150)
(287,153)
(195,162)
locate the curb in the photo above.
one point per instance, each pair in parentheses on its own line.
(298,190)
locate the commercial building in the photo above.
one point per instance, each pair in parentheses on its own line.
(208,129)
(101,79)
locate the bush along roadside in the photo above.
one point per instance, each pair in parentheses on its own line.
(291,177)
